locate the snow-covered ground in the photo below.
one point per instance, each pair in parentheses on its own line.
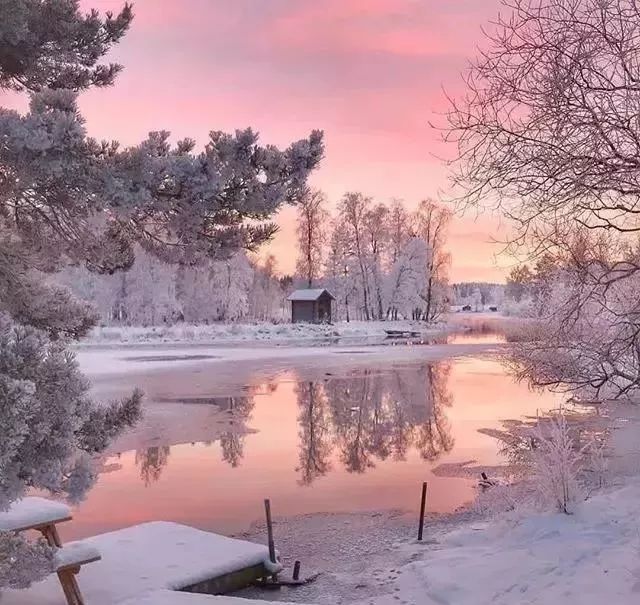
(238,332)
(590,557)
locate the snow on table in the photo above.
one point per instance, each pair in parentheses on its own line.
(33,512)
(170,597)
(147,557)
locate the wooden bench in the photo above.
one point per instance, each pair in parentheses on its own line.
(37,514)
(68,561)
(42,515)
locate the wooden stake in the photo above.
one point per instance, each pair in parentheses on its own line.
(296,571)
(272,547)
(423,503)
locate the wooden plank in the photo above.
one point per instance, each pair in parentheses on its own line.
(230,582)
(40,526)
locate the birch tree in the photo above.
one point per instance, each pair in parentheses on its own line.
(353,210)
(431,224)
(312,222)
(377,236)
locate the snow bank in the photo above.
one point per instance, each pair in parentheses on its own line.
(591,557)
(30,512)
(226,333)
(143,558)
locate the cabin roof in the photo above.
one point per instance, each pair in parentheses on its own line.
(309,294)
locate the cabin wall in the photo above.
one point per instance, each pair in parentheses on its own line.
(324,310)
(302,311)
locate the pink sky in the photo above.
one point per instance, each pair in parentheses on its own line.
(369,73)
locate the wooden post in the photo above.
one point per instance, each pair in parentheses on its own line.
(423,503)
(296,571)
(272,547)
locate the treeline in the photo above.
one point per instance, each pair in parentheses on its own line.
(155,293)
(380,260)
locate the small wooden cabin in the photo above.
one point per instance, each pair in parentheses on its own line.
(311,305)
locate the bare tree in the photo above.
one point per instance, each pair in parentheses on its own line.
(549,124)
(354,208)
(431,224)
(312,221)
(377,235)
(399,229)
(549,129)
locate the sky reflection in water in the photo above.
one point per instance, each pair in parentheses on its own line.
(361,442)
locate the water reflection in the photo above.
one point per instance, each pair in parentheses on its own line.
(360,441)
(151,462)
(359,420)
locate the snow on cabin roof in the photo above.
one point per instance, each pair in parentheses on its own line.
(309,294)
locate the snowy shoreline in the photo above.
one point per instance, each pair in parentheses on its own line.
(273,333)
(466,558)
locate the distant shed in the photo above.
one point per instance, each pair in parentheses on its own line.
(311,305)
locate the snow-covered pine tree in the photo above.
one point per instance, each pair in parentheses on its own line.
(66,198)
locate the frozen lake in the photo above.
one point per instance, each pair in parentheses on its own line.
(316,435)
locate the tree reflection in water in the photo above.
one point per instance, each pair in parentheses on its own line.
(151,462)
(314,430)
(360,419)
(373,416)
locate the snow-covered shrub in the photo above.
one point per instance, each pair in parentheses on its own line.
(551,463)
(521,308)
(556,464)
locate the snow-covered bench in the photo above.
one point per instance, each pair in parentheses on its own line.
(68,561)
(38,514)
(42,515)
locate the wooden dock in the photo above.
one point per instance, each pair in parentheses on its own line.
(158,556)
(169,597)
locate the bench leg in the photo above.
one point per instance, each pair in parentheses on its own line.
(70,586)
(51,535)
(69,593)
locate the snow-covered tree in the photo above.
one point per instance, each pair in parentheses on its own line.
(353,212)
(312,228)
(431,224)
(67,199)
(376,231)
(49,427)
(340,269)
(399,228)
(407,279)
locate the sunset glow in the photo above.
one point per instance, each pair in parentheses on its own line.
(369,73)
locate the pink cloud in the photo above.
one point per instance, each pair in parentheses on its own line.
(369,73)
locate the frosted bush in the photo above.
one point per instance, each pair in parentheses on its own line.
(556,465)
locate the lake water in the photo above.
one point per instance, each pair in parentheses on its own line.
(358,441)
